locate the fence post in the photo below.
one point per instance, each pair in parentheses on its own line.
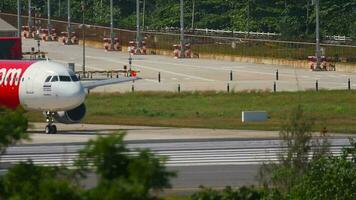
(231,75)
(159,77)
(274,87)
(317,85)
(349,84)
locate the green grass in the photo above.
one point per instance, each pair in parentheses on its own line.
(334,109)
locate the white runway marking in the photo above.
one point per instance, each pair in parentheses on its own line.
(223,154)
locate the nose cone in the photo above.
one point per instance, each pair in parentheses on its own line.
(76,94)
(71,96)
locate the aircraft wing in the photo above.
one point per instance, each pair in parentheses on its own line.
(94,84)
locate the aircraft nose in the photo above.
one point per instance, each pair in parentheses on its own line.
(72,96)
(77,94)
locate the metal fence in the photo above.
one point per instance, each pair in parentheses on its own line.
(214,45)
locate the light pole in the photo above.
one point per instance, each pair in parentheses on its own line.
(111,26)
(181,29)
(317,35)
(143,14)
(193,14)
(49,19)
(138,37)
(29,17)
(18,18)
(69,28)
(83,31)
(59,8)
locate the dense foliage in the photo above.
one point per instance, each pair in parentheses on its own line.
(13,126)
(289,17)
(122,174)
(331,177)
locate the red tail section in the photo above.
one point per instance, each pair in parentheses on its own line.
(11,73)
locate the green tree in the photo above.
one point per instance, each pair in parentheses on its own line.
(13,126)
(242,193)
(123,174)
(294,19)
(298,149)
(30,182)
(353,30)
(330,177)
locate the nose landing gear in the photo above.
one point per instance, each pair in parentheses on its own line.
(50,127)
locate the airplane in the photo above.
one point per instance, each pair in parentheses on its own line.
(48,87)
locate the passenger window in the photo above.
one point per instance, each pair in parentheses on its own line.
(48,78)
(54,79)
(74,78)
(64,78)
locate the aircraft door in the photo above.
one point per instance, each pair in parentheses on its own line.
(30,81)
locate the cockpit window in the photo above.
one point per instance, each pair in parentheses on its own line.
(48,78)
(64,78)
(74,78)
(54,79)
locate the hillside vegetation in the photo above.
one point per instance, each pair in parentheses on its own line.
(292,18)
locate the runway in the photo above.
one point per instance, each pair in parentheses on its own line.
(213,162)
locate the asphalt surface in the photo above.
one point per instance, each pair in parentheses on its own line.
(193,74)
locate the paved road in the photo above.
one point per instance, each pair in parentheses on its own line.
(193,74)
(210,162)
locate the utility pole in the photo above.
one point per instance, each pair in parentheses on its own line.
(317,34)
(138,34)
(143,14)
(181,29)
(59,8)
(193,14)
(18,18)
(248,17)
(83,31)
(306,21)
(111,26)
(29,18)
(69,40)
(49,19)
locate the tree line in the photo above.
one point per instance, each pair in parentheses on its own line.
(291,18)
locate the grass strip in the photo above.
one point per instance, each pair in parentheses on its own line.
(335,110)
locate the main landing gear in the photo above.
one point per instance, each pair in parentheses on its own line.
(50,127)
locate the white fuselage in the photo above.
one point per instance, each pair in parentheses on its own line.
(49,86)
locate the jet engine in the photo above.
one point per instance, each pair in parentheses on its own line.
(71,116)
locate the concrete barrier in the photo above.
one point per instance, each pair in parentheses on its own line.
(254,116)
